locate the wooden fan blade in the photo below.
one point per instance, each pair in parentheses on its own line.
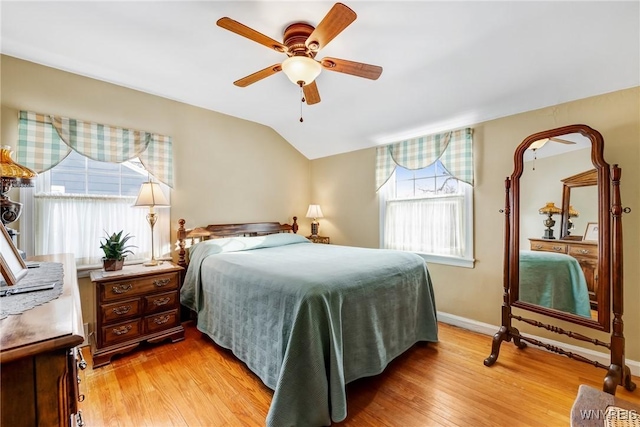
(250,33)
(561,141)
(354,68)
(336,20)
(311,94)
(258,75)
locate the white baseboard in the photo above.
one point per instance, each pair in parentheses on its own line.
(487,329)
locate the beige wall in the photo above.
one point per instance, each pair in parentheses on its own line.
(226,169)
(229,169)
(344,186)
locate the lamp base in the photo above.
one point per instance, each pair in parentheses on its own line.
(152,263)
(548,234)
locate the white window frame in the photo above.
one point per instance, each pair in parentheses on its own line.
(27,219)
(387,193)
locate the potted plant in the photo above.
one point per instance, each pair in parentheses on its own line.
(115,250)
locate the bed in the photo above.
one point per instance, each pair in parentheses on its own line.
(555,281)
(306,318)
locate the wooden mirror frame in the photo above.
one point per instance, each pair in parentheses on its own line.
(604,235)
(610,267)
(584,179)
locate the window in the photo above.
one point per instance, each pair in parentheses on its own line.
(430,212)
(80,199)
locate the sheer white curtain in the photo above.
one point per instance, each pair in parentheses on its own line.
(66,223)
(431,225)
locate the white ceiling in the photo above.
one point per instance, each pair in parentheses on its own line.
(446,64)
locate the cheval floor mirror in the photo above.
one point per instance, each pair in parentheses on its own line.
(565,162)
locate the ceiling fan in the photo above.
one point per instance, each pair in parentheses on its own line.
(536,145)
(301,43)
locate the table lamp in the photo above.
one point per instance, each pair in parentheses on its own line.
(12,175)
(151,196)
(314,212)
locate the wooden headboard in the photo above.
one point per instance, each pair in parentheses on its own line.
(214,231)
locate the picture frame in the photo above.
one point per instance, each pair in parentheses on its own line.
(12,266)
(591,233)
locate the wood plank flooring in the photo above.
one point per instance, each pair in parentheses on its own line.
(197,383)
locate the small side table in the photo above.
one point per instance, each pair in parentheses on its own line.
(133,305)
(319,239)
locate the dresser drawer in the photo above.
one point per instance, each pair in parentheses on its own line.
(549,247)
(121,332)
(127,288)
(161,302)
(584,251)
(120,310)
(161,321)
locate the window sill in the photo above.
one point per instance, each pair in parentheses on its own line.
(448,260)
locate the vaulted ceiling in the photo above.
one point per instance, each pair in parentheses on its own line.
(446,64)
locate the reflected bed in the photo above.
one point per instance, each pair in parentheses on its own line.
(309,318)
(554,281)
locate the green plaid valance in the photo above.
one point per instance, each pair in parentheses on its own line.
(45,140)
(454,149)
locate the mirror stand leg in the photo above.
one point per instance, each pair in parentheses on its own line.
(506,333)
(628,383)
(501,335)
(516,339)
(612,379)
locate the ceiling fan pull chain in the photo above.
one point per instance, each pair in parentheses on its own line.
(301,102)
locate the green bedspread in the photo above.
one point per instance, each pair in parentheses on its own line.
(309,318)
(555,281)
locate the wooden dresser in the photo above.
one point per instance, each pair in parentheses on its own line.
(133,305)
(586,252)
(38,358)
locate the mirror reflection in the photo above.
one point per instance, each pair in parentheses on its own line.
(558,265)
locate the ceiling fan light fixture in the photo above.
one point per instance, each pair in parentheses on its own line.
(538,144)
(301,69)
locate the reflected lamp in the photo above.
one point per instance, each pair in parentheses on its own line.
(572,214)
(314,212)
(549,209)
(151,196)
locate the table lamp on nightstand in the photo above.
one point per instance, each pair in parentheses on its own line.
(151,195)
(314,212)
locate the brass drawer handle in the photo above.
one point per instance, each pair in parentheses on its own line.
(82,364)
(161,320)
(122,330)
(121,289)
(161,282)
(557,248)
(538,246)
(584,251)
(161,301)
(122,309)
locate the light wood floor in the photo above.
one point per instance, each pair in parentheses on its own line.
(196,383)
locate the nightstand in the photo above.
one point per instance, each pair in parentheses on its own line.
(134,305)
(319,239)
